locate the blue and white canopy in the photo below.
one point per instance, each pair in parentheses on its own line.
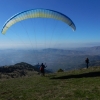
(37,13)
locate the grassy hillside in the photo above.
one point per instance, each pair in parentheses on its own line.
(83,84)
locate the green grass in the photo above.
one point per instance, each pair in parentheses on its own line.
(81,84)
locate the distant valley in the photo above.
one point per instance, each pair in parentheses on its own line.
(54,58)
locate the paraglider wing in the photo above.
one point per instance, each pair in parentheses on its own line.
(35,13)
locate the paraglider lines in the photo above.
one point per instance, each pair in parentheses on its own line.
(35,38)
(60,35)
(53,32)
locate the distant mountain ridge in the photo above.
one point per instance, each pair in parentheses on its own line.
(19,70)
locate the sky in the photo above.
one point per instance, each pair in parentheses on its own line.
(40,33)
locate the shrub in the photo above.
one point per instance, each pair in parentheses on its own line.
(60,70)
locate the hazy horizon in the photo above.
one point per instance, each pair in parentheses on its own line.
(69,46)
